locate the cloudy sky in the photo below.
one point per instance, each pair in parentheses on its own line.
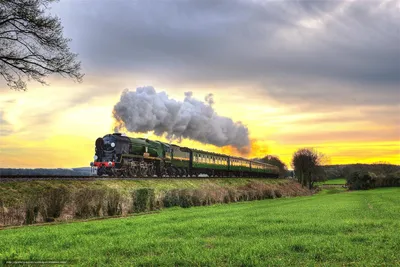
(322,74)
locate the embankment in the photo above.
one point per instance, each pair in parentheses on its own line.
(47,201)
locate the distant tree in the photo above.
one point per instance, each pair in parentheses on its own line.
(273,160)
(32,45)
(307,165)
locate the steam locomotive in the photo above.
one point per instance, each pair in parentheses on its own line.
(118,155)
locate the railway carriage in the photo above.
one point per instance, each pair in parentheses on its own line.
(212,164)
(119,155)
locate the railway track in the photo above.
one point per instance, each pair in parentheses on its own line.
(23,178)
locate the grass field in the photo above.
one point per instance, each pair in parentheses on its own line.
(356,228)
(333,181)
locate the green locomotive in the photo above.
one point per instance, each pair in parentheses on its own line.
(122,156)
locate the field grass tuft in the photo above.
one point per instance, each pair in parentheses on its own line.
(339,181)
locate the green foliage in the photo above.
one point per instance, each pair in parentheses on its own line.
(362,180)
(143,199)
(340,181)
(114,202)
(307,165)
(390,180)
(89,202)
(352,229)
(359,180)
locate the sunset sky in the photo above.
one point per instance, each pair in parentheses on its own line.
(321,74)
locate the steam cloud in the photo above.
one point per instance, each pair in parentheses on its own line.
(146,110)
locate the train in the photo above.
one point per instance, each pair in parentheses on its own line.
(118,155)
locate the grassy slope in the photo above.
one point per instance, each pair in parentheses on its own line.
(358,227)
(334,182)
(14,191)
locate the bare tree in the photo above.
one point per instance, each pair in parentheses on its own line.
(32,45)
(307,165)
(273,160)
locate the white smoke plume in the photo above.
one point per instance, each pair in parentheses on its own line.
(146,110)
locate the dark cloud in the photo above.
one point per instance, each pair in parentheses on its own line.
(330,52)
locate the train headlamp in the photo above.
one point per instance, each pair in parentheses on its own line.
(95,157)
(112,144)
(110,163)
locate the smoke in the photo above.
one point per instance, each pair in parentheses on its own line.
(146,110)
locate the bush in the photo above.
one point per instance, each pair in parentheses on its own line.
(89,202)
(392,179)
(269,193)
(113,202)
(198,197)
(143,200)
(171,198)
(361,180)
(185,198)
(278,193)
(53,202)
(31,204)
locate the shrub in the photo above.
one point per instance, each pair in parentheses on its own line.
(232,195)
(113,202)
(185,198)
(360,180)
(198,197)
(2,212)
(171,198)
(31,206)
(391,179)
(89,202)
(53,202)
(143,199)
(278,193)
(268,193)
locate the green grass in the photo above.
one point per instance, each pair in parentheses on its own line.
(356,228)
(333,182)
(332,190)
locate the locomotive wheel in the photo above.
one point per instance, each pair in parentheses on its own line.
(100,172)
(159,171)
(178,172)
(184,173)
(151,171)
(171,172)
(142,172)
(132,171)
